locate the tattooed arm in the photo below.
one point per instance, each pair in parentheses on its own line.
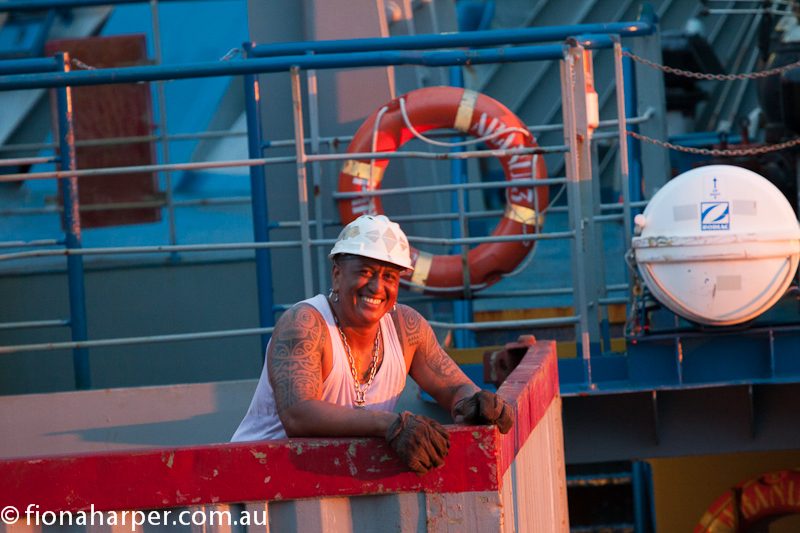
(431,367)
(294,361)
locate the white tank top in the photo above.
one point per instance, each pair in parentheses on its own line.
(261,421)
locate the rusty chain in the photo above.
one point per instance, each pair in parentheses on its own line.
(717,151)
(715,77)
(81,65)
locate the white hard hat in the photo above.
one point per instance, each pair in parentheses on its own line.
(376,237)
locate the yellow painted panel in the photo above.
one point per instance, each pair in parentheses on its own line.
(686,486)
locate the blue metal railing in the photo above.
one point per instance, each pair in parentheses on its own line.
(436,58)
(411,50)
(473,39)
(11,6)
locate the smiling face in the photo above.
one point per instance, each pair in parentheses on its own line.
(367,289)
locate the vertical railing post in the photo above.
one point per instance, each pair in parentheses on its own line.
(622,128)
(258,194)
(72,229)
(634,147)
(462,309)
(650,83)
(316,175)
(578,165)
(162,129)
(302,183)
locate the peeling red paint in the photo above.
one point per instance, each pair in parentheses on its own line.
(298,468)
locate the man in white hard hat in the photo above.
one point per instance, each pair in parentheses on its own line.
(337,365)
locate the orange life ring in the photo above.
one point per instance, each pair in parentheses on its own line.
(753,502)
(474,114)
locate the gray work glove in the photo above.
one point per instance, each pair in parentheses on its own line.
(421,442)
(483,408)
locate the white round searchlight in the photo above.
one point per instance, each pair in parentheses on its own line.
(717,245)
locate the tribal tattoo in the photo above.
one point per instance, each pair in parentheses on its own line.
(419,337)
(295,356)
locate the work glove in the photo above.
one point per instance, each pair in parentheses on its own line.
(421,442)
(482,408)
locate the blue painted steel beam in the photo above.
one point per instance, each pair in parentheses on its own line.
(258,199)
(472,39)
(28,66)
(282,64)
(38,5)
(72,230)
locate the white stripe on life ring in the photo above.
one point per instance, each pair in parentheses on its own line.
(361,170)
(465,109)
(422,268)
(522,214)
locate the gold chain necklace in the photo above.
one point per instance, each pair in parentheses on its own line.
(361,390)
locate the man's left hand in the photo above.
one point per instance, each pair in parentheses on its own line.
(482,408)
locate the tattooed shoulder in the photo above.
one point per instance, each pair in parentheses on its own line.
(419,336)
(295,356)
(410,325)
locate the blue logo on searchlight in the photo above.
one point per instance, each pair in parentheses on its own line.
(715,216)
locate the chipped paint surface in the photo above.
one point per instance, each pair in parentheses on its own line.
(351,450)
(288,469)
(169,460)
(261,456)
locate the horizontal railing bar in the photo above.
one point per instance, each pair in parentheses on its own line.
(242,200)
(563,291)
(216,134)
(641,203)
(494,238)
(26,161)
(438,155)
(154,249)
(444,58)
(34,324)
(151,339)
(609,218)
(27,65)
(507,324)
(221,200)
(137,169)
(26,244)
(111,141)
(448,40)
(10,6)
(451,187)
(613,301)
(273,244)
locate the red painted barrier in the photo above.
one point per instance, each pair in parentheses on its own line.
(282,470)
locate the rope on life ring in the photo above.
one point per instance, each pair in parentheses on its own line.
(478,115)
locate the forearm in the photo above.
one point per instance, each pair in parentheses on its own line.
(448,390)
(465,390)
(316,418)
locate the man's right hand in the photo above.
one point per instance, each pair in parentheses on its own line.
(421,442)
